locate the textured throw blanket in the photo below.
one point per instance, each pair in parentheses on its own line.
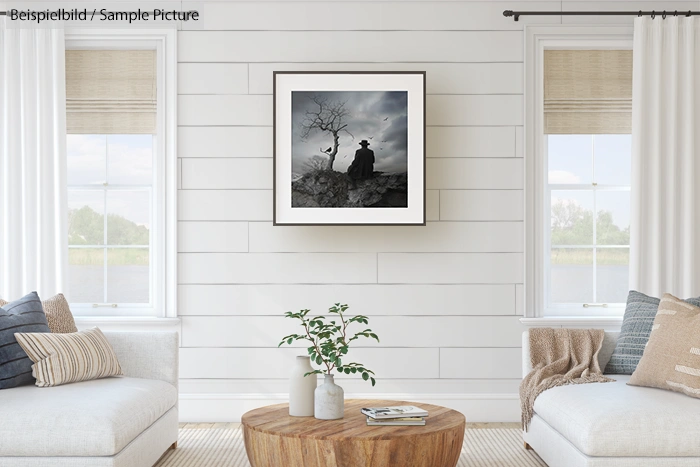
(560,357)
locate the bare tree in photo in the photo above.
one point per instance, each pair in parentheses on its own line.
(315,163)
(328,117)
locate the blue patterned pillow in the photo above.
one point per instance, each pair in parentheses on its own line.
(634,335)
(23,315)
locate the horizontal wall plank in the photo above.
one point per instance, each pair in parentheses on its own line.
(224,205)
(489,141)
(350,46)
(212,237)
(433,237)
(450,268)
(474,110)
(474,174)
(352,384)
(519,299)
(224,110)
(482,205)
(212,78)
(480,363)
(367,299)
(441,78)
(432,205)
(519,142)
(394,331)
(349,16)
(279,268)
(273,363)
(219,173)
(633,5)
(202,141)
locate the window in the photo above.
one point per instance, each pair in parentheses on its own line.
(588,195)
(121,172)
(578,95)
(110,214)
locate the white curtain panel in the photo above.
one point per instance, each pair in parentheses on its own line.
(33,206)
(665,223)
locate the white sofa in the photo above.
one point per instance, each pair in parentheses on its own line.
(127,421)
(613,424)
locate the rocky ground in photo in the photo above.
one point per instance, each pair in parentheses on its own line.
(331,189)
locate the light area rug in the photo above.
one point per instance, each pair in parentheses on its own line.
(223,447)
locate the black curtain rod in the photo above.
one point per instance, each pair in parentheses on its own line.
(517,14)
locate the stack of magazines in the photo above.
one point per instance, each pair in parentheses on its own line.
(402,415)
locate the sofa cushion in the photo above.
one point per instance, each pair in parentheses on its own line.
(90,418)
(23,315)
(634,335)
(69,357)
(57,312)
(617,420)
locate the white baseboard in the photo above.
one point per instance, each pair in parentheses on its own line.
(229,407)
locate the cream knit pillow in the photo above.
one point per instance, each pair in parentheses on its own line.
(68,358)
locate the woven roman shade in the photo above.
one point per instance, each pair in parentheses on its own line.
(111,91)
(587,91)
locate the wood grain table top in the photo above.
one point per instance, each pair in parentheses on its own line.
(275,419)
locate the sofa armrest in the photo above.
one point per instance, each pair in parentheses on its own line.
(149,355)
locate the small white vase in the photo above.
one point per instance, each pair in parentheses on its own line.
(301,389)
(329,400)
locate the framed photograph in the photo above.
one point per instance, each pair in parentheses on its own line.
(349,148)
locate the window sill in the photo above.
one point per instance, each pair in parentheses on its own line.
(127,323)
(609,323)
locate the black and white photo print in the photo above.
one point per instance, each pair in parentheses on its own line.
(349,152)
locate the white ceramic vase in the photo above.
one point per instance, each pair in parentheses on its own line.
(301,389)
(329,400)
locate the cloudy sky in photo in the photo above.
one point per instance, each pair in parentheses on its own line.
(381,117)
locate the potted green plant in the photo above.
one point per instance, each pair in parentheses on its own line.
(330,341)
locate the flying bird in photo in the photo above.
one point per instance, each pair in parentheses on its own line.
(384,141)
(387,118)
(371,137)
(381,149)
(345,156)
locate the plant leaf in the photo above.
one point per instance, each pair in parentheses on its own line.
(365,376)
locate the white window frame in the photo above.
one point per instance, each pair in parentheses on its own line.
(537,40)
(164,229)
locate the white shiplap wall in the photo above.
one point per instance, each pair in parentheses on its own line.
(441,297)
(445,298)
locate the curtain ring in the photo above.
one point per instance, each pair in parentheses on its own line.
(675,13)
(640,14)
(664,15)
(653,14)
(688,15)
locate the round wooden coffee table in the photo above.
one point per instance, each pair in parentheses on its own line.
(273,438)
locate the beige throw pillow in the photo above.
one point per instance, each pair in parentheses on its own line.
(57,312)
(68,358)
(671,359)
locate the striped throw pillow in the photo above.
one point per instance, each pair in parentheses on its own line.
(671,359)
(58,314)
(23,315)
(69,358)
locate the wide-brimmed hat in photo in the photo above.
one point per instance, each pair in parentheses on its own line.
(364,142)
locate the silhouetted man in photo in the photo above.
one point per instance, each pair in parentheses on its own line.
(363,165)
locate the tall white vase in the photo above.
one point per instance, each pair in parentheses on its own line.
(301,389)
(329,400)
